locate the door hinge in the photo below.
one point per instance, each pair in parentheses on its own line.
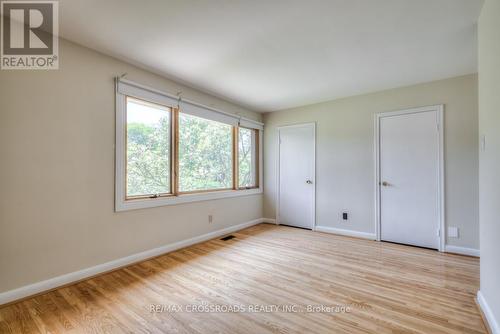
(439,232)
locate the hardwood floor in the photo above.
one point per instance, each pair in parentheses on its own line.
(387,288)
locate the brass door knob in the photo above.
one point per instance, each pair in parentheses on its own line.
(385,184)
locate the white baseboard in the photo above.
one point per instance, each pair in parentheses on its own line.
(52,283)
(461,250)
(269,220)
(488,314)
(349,233)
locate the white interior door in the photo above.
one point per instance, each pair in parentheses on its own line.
(296,175)
(409,178)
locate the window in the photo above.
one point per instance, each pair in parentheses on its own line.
(247,158)
(205,154)
(148,149)
(169,154)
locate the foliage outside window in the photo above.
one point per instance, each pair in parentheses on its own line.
(247,155)
(169,153)
(148,149)
(205,154)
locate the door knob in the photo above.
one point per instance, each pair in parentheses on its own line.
(385,184)
(309,182)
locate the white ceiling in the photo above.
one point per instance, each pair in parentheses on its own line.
(276,54)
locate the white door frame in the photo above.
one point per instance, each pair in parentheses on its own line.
(441,202)
(313,125)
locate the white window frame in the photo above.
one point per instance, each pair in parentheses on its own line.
(155,96)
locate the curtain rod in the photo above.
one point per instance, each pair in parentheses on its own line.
(173,96)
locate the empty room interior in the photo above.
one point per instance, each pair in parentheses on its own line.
(234,166)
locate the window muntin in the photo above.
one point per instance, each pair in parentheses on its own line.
(247,158)
(148,149)
(205,154)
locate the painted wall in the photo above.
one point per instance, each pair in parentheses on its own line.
(57,173)
(345,154)
(489,158)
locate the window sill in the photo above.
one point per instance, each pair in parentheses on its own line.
(121,205)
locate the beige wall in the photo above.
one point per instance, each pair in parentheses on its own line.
(489,162)
(57,173)
(345,154)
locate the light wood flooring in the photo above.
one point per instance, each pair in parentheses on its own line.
(386,288)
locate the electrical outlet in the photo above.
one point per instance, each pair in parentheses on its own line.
(210,219)
(452,232)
